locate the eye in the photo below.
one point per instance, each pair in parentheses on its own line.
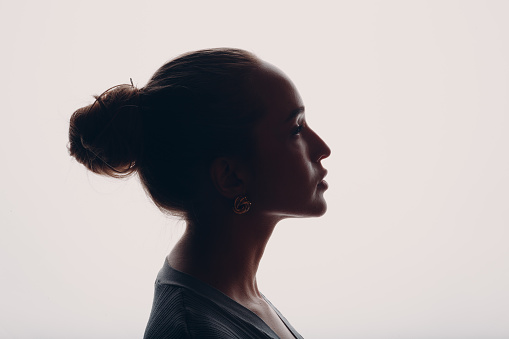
(298,129)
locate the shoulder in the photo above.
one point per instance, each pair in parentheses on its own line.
(185,307)
(168,317)
(178,312)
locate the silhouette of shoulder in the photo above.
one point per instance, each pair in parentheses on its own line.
(185,307)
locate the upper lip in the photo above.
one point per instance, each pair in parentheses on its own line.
(324,174)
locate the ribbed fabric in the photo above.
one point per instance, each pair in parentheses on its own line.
(185,307)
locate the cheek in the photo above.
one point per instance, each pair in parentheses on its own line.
(278,163)
(287,175)
(271,172)
(285,162)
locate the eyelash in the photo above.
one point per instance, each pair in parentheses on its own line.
(298,129)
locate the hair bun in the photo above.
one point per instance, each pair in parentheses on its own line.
(106,135)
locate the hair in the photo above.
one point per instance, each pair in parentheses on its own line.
(194,109)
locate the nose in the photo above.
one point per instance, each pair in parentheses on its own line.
(322,151)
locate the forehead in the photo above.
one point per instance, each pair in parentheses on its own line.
(275,92)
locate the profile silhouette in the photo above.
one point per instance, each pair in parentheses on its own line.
(219,138)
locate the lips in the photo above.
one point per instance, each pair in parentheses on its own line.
(324,174)
(323,184)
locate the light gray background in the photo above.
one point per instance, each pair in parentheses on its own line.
(412,97)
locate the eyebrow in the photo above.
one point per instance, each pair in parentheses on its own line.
(295,112)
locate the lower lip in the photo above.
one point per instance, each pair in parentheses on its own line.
(323,184)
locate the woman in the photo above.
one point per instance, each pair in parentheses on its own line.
(219,138)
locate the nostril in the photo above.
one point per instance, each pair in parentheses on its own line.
(323,156)
(326,152)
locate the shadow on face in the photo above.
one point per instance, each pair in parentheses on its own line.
(287,175)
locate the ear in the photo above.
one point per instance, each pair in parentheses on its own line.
(228,177)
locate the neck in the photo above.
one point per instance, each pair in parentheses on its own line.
(225,255)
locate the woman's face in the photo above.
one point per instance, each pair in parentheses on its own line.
(287,174)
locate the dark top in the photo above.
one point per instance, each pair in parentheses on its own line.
(185,307)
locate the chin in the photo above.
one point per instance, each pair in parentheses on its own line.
(319,206)
(322,210)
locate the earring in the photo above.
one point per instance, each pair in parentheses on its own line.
(241,205)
